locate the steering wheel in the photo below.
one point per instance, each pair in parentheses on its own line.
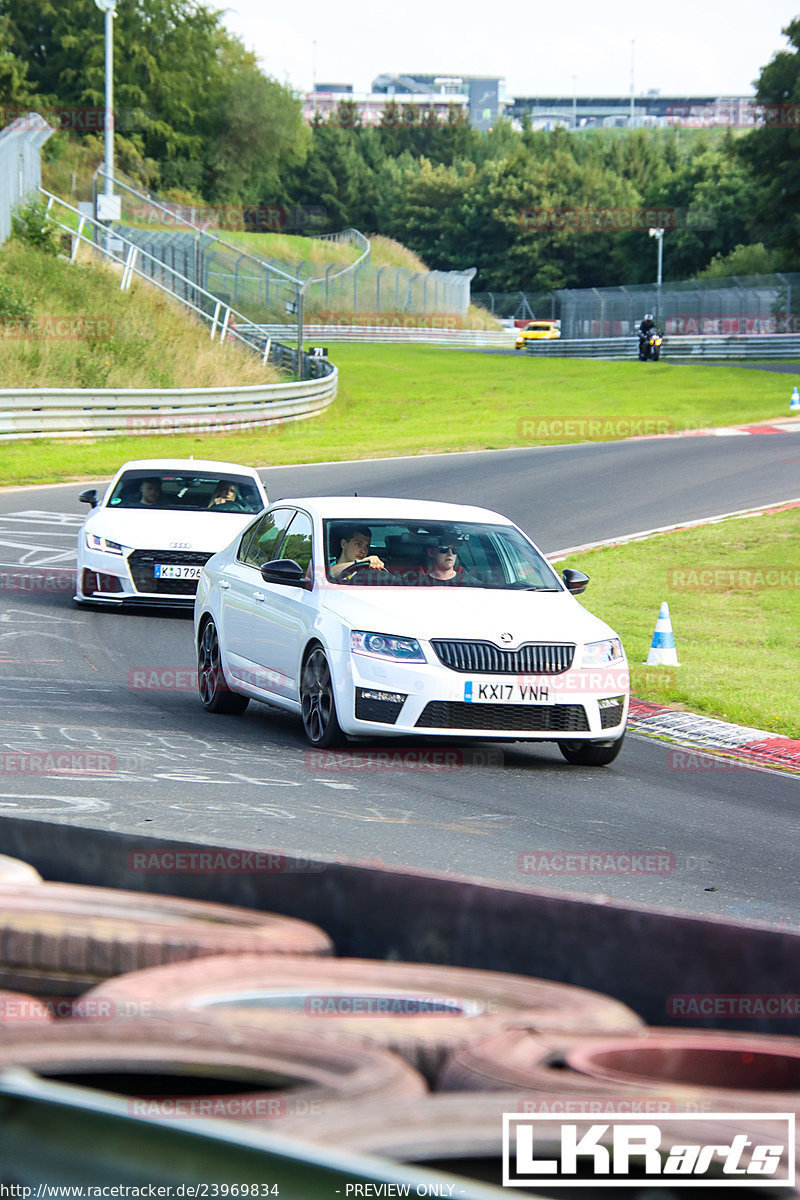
(361,564)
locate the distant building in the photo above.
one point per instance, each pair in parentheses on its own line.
(370,106)
(485,94)
(482,97)
(583,112)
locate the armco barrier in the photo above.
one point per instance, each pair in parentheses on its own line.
(107,412)
(377,332)
(738,346)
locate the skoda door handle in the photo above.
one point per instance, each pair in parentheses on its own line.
(259,596)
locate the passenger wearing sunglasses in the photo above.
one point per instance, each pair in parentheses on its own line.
(442,565)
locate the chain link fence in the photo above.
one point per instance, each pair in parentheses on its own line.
(756,304)
(266,289)
(20,164)
(519,306)
(736,304)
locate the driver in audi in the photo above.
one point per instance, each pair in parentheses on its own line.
(354,541)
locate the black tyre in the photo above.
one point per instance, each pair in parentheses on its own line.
(655,355)
(214,691)
(320,722)
(591,754)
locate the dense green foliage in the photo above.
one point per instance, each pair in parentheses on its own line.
(773,151)
(198,120)
(193,112)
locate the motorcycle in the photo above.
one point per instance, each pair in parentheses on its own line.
(650,345)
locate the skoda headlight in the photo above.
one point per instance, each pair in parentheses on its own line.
(599,654)
(386,645)
(98,543)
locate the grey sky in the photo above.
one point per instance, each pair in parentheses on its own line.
(701,47)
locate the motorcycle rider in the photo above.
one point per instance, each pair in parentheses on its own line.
(647,323)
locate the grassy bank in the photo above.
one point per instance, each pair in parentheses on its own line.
(81,331)
(734,596)
(421,399)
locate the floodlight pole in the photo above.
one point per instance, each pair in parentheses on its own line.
(107,8)
(658,234)
(109,113)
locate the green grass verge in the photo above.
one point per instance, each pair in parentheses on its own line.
(397,400)
(733,591)
(81,331)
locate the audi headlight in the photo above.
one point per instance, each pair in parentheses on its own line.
(98,543)
(599,654)
(386,645)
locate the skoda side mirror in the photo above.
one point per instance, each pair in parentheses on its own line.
(285,571)
(574,581)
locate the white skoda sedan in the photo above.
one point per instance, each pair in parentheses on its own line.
(406,618)
(160,520)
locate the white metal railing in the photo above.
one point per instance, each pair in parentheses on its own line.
(126,254)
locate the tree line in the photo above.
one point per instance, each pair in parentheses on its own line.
(198,120)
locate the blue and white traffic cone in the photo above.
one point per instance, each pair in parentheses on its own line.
(794,406)
(662,648)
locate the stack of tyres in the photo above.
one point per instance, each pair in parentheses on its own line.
(420,1011)
(735,1071)
(60,939)
(176,1065)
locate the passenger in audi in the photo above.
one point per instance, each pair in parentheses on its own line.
(226,495)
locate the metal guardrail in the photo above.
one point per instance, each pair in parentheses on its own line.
(107,412)
(738,346)
(331,332)
(111,412)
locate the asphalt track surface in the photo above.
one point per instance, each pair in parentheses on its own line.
(80,681)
